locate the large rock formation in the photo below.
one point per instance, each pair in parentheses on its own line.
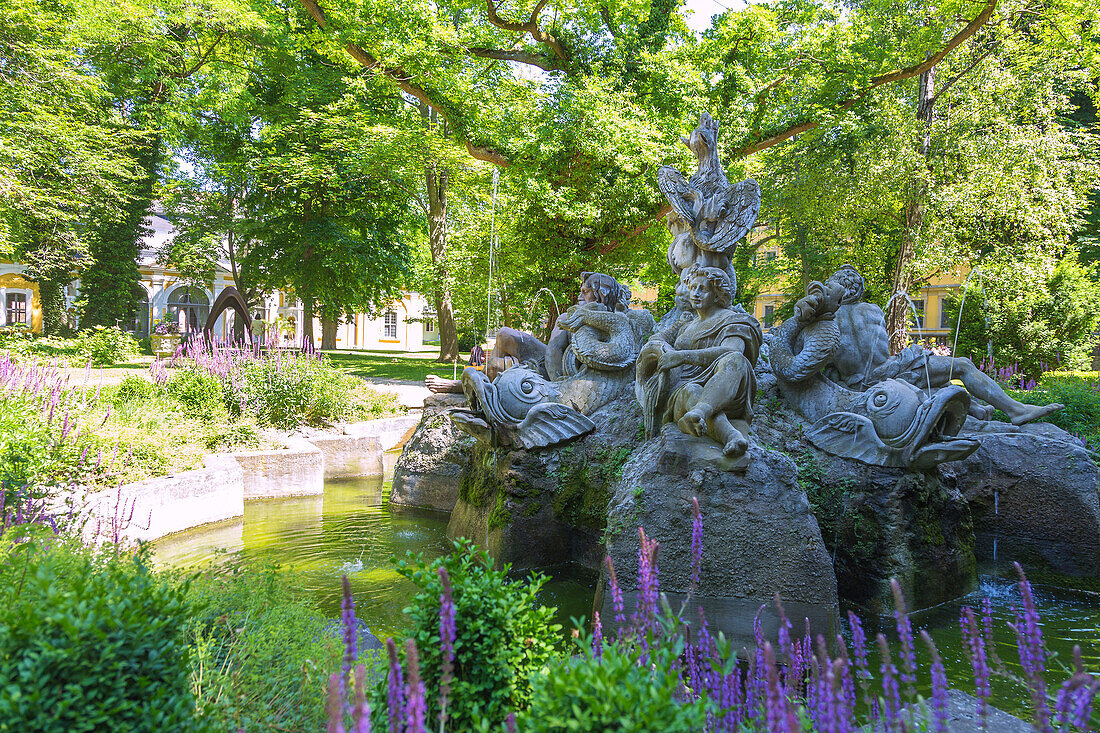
(537,508)
(434,459)
(1035,492)
(759,534)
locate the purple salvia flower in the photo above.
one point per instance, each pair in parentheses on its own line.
(905,634)
(510,723)
(646,611)
(65,426)
(395,690)
(597,637)
(775,699)
(890,693)
(696,542)
(416,712)
(939,686)
(987,628)
(360,711)
(351,634)
(334,705)
(447,634)
(975,647)
(616,595)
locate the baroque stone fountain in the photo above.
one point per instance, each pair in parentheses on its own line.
(823,466)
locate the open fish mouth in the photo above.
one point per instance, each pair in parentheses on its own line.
(932,437)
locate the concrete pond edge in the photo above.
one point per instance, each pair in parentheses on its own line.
(154,508)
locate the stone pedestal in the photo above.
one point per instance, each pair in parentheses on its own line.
(547,507)
(759,536)
(430,469)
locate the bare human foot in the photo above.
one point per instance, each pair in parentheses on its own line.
(1027,413)
(736,447)
(441,385)
(694,422)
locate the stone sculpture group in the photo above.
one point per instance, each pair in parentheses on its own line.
(699,369)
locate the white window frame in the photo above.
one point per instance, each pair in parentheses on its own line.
(386,335)
(4,303)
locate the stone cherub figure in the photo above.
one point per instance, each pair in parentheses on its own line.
(585,335)
(863,358)
(698,372)
(544,401)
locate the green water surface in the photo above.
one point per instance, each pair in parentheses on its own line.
(351,529)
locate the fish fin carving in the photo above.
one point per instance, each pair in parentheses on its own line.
(551,423)
(849,435)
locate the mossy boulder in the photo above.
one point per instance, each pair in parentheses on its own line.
(546,507)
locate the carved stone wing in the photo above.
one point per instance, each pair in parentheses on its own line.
(551,423)
(740,209)
(679,192)
(849,435)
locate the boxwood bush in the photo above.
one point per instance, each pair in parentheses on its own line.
(91,641)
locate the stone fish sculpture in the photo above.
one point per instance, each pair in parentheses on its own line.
(833,366)
(588,362)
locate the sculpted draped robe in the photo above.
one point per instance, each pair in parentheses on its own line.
(658,390)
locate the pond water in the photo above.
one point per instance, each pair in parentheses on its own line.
(351,529)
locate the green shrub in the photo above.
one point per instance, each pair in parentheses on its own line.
(613,693)
(1079,392)
(133,389)
(504,637)
(91,642)
(107,345)
(261,653)
(199,392)
(288,391)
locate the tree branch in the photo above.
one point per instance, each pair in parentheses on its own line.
(404,82)
(521,57)
(606,15)
(531,26)
(908,72)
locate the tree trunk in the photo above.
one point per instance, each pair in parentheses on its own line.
(51,293)
(307,323)
(897,316)
(328,333)
(437,180)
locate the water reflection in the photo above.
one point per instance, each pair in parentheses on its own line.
(348,529)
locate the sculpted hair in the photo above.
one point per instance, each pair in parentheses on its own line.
(608,291)
(849,278)
(719,281)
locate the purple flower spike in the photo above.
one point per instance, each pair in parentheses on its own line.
(360,712)
(890,694)
(597,637)
(351,634)
(696,542)
(616,594)
(447,635)
(939,686)
(416,712)
(975,648)
(334,705)
(395,690)
(905,633)
(646,613)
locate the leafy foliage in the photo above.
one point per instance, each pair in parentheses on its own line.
(91,641)
(259,650)
(613,692)
(504,637)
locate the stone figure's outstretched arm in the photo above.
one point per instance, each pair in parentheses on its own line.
(702,357)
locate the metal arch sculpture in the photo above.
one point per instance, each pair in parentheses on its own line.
(229,298)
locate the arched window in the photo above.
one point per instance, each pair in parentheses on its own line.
(188,306)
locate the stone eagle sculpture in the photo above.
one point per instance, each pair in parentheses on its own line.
(717,213)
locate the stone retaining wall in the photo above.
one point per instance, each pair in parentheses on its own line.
(150,509)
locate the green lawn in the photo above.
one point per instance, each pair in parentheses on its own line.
(383,365)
